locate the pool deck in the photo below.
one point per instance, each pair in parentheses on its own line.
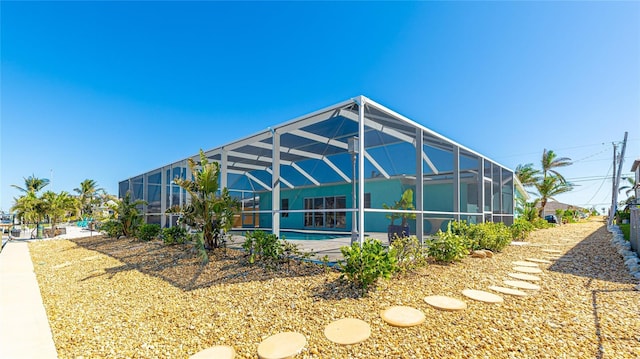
(324,247)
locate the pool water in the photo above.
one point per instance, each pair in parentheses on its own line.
(295,236)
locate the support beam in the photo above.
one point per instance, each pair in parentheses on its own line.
(419,187)
(376,165)
(304,173)
(360,178)
(393,133)
(456,182)
(253,178)
(223,169)
(321,139)
(275,180)
(336,169)
(287,183)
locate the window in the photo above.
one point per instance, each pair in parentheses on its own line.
(284,206)
(367,200)
(326,215)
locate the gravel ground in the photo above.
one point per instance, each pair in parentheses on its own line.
(110,298)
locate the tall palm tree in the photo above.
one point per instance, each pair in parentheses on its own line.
(551,161)
(527,175)
(32,184)
(550,187)
(29,208)
(87,193)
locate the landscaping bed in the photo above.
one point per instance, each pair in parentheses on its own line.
(109,298)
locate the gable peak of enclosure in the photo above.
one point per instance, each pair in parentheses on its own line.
(353,160)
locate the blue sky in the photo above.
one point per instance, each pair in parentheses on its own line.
(109,90)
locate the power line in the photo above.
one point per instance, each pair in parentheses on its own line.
(604,179)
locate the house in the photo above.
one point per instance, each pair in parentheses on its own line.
(333,171)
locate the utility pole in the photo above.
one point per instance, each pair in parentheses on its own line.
(613,187)
(617,175)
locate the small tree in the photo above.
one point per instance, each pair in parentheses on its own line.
(404,203)
(206,212)
(128,215)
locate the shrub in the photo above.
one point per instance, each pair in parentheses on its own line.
(363,266)
(409,253)
(521,228)
(267,248)
(112,228)
(147,232)
(489,235)
(447,246)
(540,223)
(174,235)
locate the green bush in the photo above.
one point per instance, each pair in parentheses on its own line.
(147,232)
(174,235)
(521,228)
(541,223)
(448,246)
(268,249)
(112,228)
(410,255)
(489,235)
(364,266)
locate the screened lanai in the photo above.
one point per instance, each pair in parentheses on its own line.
(337,170)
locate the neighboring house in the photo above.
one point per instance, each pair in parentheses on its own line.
(299,175)
(553,206)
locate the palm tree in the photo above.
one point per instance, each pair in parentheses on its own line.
(550,162)
(87,192)
(32,184)
(58,206)
(527,175)
(205,207)
(629,187)
(29,208)
(550,187)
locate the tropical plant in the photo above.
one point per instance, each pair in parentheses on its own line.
(174,235)
(551,161)
(549,187)
(410,254)
(404,203)
(364,265)
(148,231)
(629,187)
(128,215)
(88,196)
(447,246)
(58,205)
(112,228)
(521,228)
(32,184)
(494,236)
(206,212)
(527,175)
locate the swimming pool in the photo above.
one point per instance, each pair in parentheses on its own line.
(304,236)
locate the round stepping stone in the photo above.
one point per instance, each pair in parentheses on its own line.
(527,270)
(281,345)
(552,251)
(401,316)
(218,352)
(522,285)
(347,331)
(523,276)
(509,291)
(482,296)
(524,264)
(445,303)
(536,260)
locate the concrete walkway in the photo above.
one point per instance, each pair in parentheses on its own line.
(24,326)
